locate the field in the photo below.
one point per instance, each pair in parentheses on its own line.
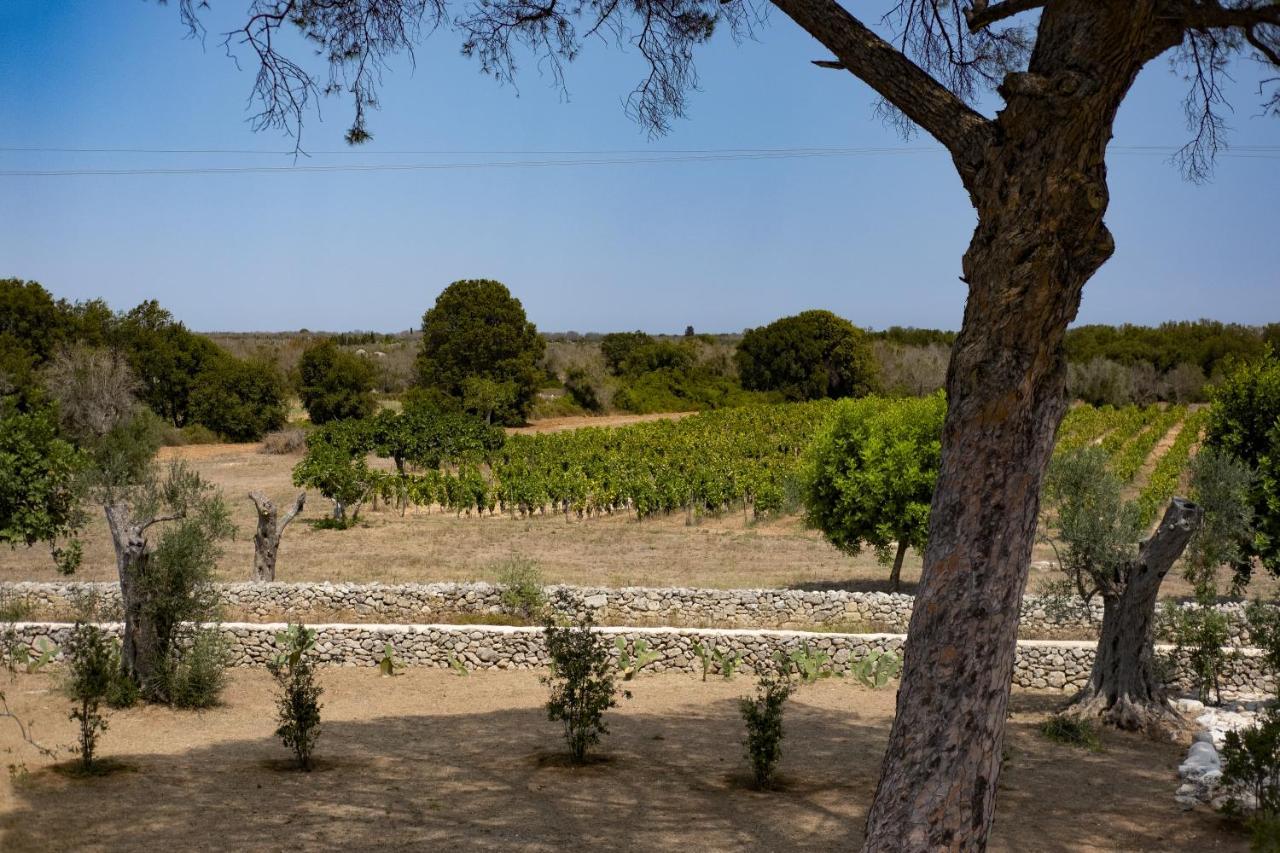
(428,760)
(728,549)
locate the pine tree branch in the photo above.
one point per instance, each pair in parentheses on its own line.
(902,83)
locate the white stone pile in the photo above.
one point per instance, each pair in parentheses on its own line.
(1201,771)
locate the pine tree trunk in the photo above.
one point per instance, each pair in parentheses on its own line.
(1123,689)
(1039,188)
(895,574)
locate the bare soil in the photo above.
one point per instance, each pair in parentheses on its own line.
(576,421)
(433,761)
(724,552)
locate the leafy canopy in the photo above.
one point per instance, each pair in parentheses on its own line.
(478,331)
(1096,528)
(1244,422)
(39,474)
(871,472)
(240,400)
(334,384)
(812,355)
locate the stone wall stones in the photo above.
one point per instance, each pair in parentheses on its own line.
(827,610)
(1040,665)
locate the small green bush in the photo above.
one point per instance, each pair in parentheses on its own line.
(1200,634)
(876,669)
(1264,833)
(198,674)
(298,705)
(239,400)
(1072,731)
(763,717)
(334,384)
(123,692)
(171,436)
(92,664)
(581,681)
(13,609)
(521,583)
(387,663)
(810,664)
(637,657)
(1251,766)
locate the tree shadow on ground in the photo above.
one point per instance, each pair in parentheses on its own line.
(672,782)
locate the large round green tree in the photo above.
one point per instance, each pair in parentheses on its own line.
(812,355)
(334,384)
(871,475)
(240,400)
(479,347)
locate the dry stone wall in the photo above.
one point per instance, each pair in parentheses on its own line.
(1040,664)
(827,610)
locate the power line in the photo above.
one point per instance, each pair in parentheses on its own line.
(477,153)
(415,167)
(620,157)
(899,149)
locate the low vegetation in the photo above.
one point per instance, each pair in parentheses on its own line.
(522,588)
(581,680)
(298,701)
(1072,731)
(762,714)
(91,667)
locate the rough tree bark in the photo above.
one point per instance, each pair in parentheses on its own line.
(266,541)
(140,648)
(1123,689)
(1037,177)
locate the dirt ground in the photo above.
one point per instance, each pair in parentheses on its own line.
(425,545)
(576,421)
(432,760)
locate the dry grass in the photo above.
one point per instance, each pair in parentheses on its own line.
(426,545)
(432,761)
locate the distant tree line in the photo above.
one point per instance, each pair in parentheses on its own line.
(183,377)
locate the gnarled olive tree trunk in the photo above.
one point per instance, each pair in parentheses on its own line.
(1123,689)
(141,647)
(266,541)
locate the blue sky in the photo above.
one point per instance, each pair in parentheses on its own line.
(719,245)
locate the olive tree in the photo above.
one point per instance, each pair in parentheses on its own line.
(1096,534)
(266,539)
(871,473)
(169,581)
(1036,175)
